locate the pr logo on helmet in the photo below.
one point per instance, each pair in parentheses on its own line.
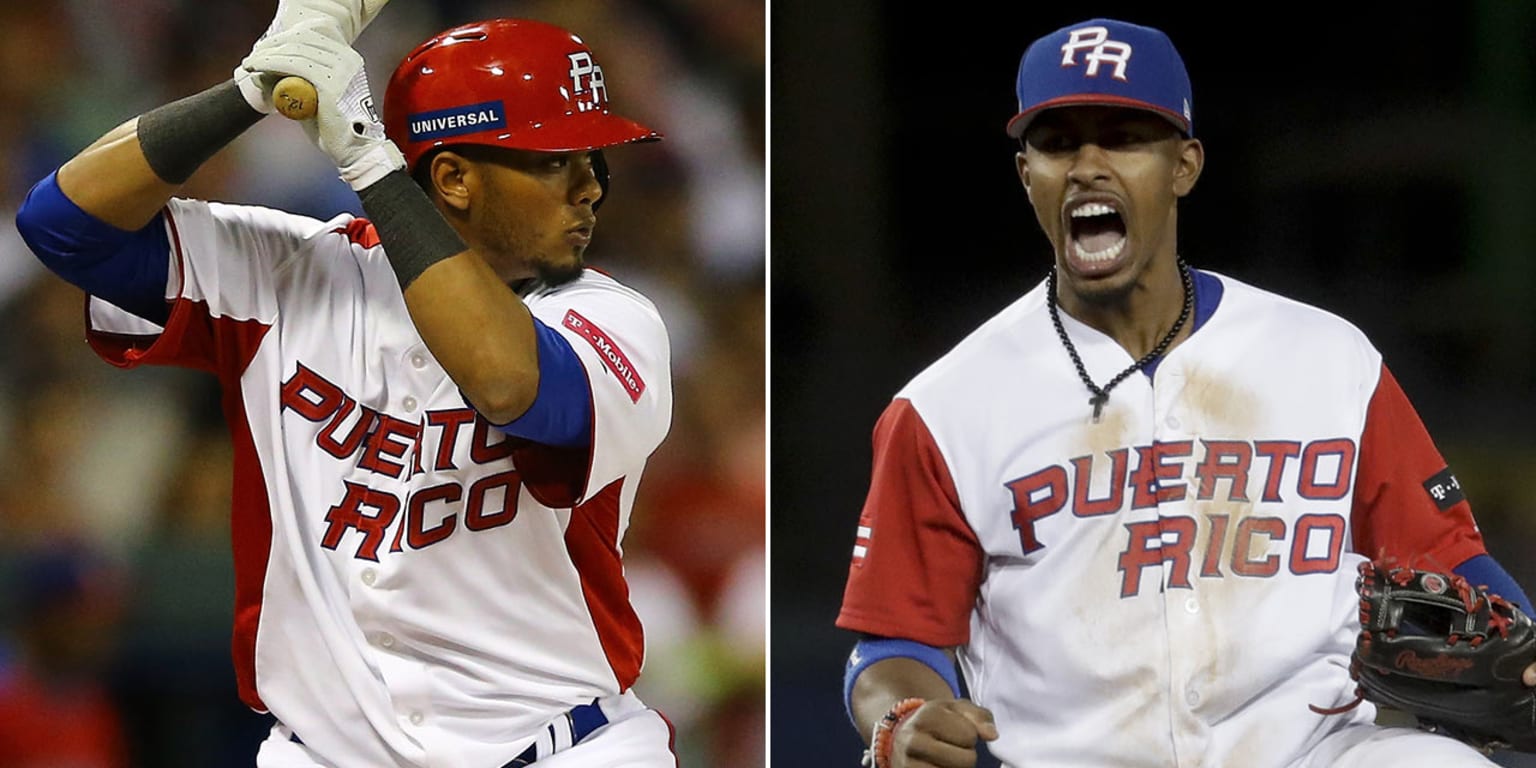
(584,68)
(455,121)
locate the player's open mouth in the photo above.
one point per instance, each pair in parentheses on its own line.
(1096,235)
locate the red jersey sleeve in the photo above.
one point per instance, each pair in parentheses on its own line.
(917,564)
(1408,506)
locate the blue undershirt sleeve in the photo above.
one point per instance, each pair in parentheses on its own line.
(128,269)
(871,649)
(561,413)
(1483,569)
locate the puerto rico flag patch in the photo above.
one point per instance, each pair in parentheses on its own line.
(613,358)
(861,544)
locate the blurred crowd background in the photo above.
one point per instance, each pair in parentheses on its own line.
(116,586)
(1374,159)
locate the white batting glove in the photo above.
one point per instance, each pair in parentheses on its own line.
(346,125)
(345,18)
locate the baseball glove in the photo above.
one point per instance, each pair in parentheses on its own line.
(1447,652)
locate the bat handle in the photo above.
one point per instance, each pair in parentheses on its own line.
(295,98)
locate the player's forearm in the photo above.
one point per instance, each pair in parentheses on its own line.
(126,176)
(481,333)
(886,682)
(113,182)
(477,328)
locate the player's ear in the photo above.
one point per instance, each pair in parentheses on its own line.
(1019,161)
(452,177)
(1186,170)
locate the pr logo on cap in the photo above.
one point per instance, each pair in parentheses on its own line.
(1103,62)
(1100,49)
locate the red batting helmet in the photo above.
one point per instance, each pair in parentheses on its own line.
(506,82)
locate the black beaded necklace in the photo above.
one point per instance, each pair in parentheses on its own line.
(1101,394)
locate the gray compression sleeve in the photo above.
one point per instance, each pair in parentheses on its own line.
(180,136)
(414,234)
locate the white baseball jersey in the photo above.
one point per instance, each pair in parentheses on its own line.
(414,587)
(1174,584)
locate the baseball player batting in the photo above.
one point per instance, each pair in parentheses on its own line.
(440,417)
(1132,504)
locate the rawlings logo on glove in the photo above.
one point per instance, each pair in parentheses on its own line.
(1448,653)
(1436,667)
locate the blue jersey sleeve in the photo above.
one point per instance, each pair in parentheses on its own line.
(561,413)
(128,269)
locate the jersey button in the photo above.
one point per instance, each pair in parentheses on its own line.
(386,640)
(369,576)
(1192,605)
(409,403)
(1172,422)
(416,718)
(1192,696)
(418,361)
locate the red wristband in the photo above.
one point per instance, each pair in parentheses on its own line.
(885,730)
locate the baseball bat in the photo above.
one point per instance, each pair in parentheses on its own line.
(295,98)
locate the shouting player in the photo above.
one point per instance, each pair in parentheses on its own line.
(440,416)
(1131,505)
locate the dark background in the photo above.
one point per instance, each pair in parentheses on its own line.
(1373,160)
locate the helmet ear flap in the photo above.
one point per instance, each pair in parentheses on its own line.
(600,170)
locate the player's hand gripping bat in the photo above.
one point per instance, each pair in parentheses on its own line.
(294,96)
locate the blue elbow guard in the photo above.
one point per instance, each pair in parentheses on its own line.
(129,269)
(871,650)
(561,413)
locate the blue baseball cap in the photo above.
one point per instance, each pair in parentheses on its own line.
(1106,63)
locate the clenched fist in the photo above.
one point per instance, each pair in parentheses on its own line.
(941,734)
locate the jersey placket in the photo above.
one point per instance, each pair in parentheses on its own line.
(405,677)
(1190,634)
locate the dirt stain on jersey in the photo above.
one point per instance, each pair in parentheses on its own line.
(1098,438)
(1101,582)
(1142,727)
(1217,407)
(1219,591)
(1253,748)
(1107,434)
